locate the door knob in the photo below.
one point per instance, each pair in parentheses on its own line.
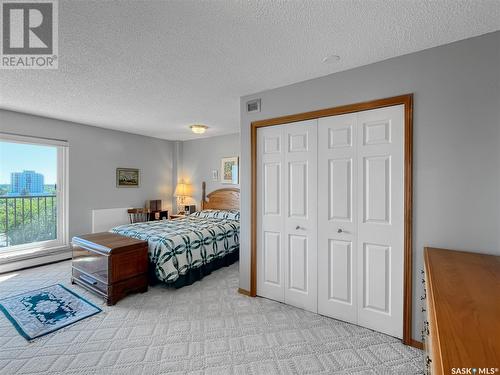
(339,230)
(299,227)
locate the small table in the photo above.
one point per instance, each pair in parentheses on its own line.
(110,265)
(158,215)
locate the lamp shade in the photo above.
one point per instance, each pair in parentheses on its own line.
(182,190)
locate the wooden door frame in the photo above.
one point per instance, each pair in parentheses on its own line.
(407,102)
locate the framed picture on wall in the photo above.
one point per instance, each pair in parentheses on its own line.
(127,177)
(229,170)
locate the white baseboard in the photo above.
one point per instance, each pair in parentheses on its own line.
(15,265)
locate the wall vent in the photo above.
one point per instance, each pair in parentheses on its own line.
(253,105)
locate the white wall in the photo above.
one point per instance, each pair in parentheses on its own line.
(201,156)
(456,141)
(94,155)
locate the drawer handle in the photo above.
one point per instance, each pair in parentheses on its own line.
(88,279)
(425,327)
(423,309)
(428,362)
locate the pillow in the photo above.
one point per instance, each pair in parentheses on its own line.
(218,214)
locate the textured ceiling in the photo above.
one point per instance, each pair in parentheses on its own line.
(155,67)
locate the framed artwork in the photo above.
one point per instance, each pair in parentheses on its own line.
(127,177)
(229,170)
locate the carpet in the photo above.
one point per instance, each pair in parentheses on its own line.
(202,329)
(39,312)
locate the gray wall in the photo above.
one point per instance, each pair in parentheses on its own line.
(94,154)
(456,141)
(201,156)
(177,172)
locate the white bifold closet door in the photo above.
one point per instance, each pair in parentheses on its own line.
(330,216)
(287,214)
(360,218)
(337,224)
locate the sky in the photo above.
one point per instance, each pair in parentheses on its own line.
(16,157)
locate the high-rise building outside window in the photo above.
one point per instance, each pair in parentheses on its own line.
(26,183)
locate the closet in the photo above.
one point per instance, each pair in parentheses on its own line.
(330,226)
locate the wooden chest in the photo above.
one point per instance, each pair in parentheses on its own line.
(110,265)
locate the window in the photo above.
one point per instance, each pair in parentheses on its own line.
(33,195)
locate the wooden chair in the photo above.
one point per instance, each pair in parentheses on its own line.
(138,215)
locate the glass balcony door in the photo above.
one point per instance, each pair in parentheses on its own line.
(33,194)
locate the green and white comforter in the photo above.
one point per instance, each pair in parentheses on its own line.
(177,246)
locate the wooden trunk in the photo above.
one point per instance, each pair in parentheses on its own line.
(110,265)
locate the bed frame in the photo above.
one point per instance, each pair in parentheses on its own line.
(221,199)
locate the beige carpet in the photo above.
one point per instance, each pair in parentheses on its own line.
(206,328)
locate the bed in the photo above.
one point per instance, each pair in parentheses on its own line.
(184,250)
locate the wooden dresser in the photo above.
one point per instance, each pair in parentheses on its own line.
(462,329)
(110,265)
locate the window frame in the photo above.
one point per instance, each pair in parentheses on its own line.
(42,248)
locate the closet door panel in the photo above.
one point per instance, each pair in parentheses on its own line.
(340,271)
(337,255)
(339,187)
(298,254)
(271,246)
(298,189)
(376,288)
(377,185)
(380,228)
(300,229)
(270,206)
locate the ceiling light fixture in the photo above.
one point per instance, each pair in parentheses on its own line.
(331,59)
(199,129)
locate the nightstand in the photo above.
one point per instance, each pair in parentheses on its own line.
(158,215)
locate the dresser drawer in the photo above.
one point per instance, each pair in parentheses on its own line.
(92,263)
(90,282)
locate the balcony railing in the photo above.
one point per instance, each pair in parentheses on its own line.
(27,218)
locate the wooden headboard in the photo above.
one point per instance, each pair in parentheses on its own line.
(221,199)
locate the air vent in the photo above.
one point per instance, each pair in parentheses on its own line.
(253,106)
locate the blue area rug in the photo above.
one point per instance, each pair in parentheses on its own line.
(39,312)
